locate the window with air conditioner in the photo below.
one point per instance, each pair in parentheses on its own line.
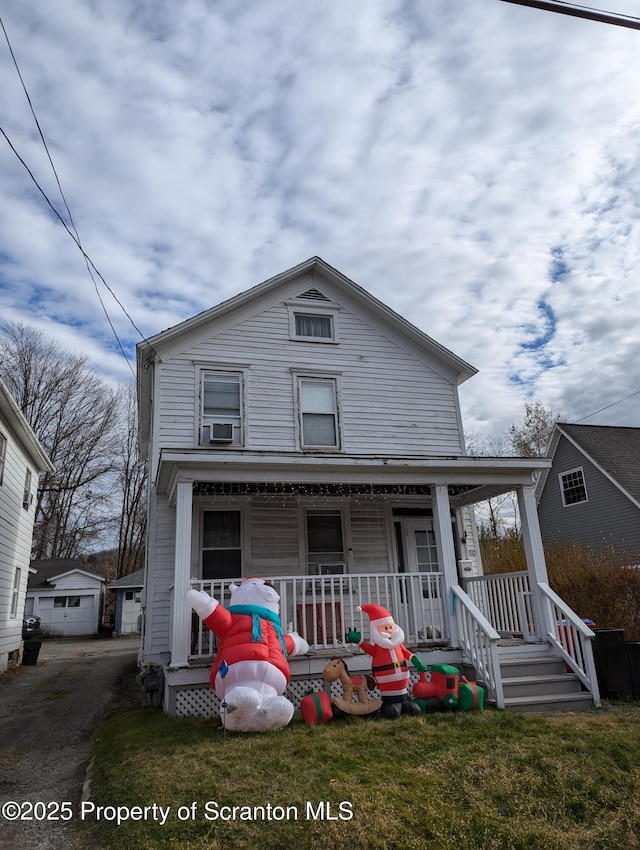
(221,412)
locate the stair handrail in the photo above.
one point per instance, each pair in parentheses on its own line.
(479,641)
(572,638)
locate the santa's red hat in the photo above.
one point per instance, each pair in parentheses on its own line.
(378,615)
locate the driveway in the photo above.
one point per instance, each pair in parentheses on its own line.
(47,714)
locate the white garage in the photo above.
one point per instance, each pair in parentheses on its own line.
(67,597)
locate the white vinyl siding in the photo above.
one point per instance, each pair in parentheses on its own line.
(16,532)
(391,402)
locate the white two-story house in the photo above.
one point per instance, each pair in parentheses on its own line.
(304,432)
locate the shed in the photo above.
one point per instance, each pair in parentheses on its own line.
(128,595)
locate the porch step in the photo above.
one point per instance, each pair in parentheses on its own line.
(550,702)
(537,680)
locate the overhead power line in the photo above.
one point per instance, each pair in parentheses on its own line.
(607,406)
(591,14)
(71,227)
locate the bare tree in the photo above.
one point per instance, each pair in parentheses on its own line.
(132,478)
(499,514)
(530,437)
(74,414)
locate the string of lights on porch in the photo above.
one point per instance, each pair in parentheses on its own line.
(317,492)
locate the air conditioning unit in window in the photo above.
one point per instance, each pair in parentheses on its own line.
(27,500)
(221,432)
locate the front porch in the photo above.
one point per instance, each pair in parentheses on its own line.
(403,542)
(501,621)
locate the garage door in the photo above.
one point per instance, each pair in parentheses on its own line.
(69,615)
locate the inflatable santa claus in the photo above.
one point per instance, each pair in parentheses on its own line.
(250,670)
(389,661)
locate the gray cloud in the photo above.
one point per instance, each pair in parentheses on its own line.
(466,165)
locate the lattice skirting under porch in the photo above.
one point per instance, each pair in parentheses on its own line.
(202,702)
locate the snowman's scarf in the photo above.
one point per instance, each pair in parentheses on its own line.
(256,612)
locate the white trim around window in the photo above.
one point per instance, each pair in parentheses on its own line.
(221,410)
(308,323)
(15,594)
(573,487)
(318,411)
(3,454)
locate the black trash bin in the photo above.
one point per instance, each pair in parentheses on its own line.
(633,657)
(612,665)
(31,651)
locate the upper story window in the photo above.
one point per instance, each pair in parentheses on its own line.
(318,405)
(27,498)
(3,453)
(222,415)
(573,487)
(311,324)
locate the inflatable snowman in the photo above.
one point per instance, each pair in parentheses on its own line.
(252,653)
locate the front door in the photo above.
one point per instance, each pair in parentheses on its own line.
(420,546)
(421,556)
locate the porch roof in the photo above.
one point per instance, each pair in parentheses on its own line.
(470,479)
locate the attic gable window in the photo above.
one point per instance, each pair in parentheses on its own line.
(308,323)
(573,487)
(320,327)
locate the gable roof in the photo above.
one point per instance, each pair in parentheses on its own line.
(281,287)
(43,572)
(15,419)
(614,450)
(132,580)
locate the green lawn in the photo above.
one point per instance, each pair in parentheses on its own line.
(481,780)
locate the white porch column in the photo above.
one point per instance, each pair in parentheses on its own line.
(446,550)
(181,621)
(534,551)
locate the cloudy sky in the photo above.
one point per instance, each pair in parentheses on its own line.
(472,163)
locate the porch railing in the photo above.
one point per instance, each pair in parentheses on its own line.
(479,642)
(507,602)
(323,608)
(572,638)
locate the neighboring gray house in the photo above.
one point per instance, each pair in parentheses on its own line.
(128,611)
(67,597)
(591,493)
(22,459)
(304,432)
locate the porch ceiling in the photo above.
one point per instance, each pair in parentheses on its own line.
(468,479)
